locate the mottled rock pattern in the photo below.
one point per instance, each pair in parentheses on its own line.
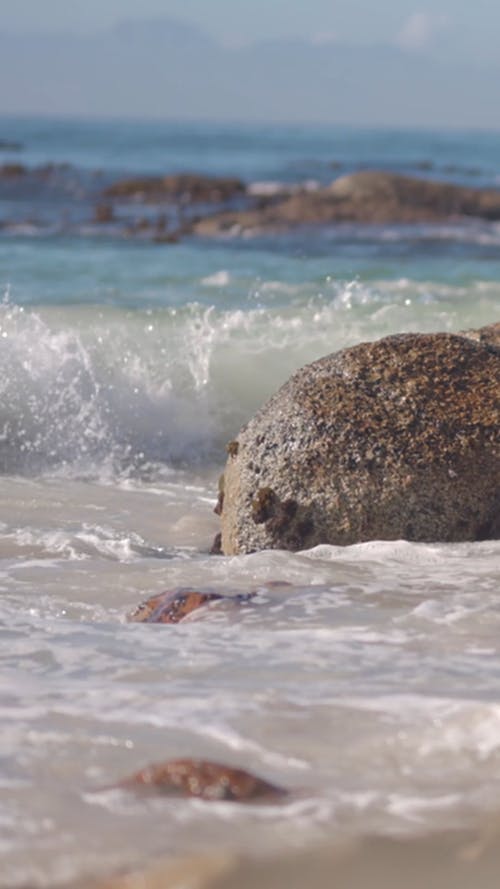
(200,778)
(398,438)
(369,197)
(172,606)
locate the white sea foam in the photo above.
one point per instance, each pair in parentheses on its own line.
(218,279)
(83,389)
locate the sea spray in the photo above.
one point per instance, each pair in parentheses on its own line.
(84,386)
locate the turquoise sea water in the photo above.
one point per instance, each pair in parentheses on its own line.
(371,684)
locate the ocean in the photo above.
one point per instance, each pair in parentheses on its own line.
(369,684)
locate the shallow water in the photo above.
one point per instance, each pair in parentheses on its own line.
(369,684)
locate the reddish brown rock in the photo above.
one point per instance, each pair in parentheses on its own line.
(172,606)
(199,778)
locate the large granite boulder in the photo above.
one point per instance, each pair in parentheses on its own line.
(398,438)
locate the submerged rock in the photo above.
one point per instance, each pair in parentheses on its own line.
(199,778)
(398,438)
(369,197)
(172,606)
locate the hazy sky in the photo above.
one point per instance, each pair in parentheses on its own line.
(433,64)
(460,29)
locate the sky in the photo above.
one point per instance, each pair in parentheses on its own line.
(460,30)
(408,62)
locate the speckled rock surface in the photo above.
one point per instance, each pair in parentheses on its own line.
(488,335)
(398,438)
(172,606)
(202,778)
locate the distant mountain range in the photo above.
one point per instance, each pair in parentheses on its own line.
(170,69)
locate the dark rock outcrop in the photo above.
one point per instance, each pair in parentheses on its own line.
(199,778)
(189,188)
(366,197)
(398,438)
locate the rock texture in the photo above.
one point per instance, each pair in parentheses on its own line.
(197,777)
(172,606)
(488,335)
(398,438)
(367,197)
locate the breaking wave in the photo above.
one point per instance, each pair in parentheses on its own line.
(82,387)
